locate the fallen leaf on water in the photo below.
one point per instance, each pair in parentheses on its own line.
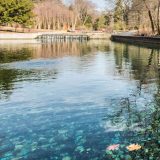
(113,147)
(134,147)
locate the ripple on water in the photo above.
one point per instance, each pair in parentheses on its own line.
(73,106)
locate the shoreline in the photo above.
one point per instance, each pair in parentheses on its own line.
(137,40)
(31,36)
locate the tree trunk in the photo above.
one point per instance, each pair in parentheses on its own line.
(158,18)
(150,16)
(74,23)
(151,20)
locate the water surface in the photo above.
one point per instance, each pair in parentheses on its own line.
(71,100)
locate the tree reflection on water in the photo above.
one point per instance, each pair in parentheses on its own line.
(17,52)
(8,76)
(138,114)
(132,118)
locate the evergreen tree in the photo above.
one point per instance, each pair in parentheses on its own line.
(118,15)
(16,11)
(95,24)
(89,22)
(102,22)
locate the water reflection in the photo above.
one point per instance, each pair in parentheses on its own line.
(6,81)
(13,52)
(36,49)
(11,55)
(139,112)
(70,100)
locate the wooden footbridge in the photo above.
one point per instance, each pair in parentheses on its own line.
(63,37)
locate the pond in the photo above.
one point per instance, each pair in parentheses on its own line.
(74,100)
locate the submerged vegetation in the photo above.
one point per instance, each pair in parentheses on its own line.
(143,128)
(110,107)
(112,121)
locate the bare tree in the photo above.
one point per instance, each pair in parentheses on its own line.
(139,13)
(82,10)
(52,14)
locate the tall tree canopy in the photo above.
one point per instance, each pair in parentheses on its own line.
(16,11)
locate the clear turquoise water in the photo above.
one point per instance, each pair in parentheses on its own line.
(71,100)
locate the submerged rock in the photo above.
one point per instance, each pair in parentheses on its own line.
(18,147)
(66,158)
(34,146)
(6,148)
(62,131)
(80,149)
